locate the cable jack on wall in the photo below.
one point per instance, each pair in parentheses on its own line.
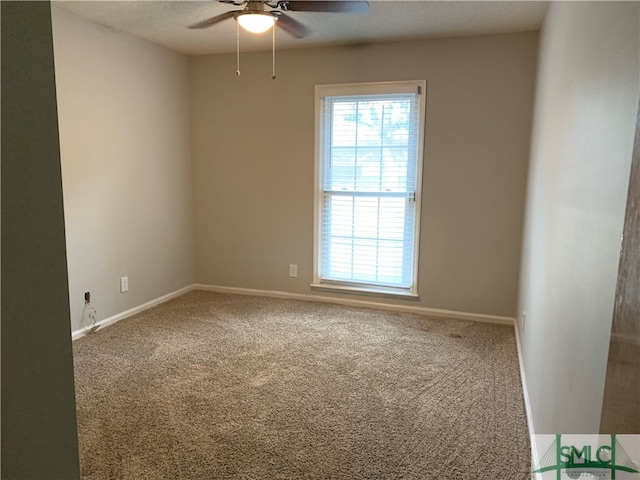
(90,312)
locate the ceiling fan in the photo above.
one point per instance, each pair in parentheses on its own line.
(259,15)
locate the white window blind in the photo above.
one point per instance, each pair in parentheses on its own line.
(369,165)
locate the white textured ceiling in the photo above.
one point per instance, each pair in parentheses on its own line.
(165,22)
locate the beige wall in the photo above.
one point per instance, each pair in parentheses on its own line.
(123,107)
(253,163)
(587,98)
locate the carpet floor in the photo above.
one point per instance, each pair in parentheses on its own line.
(218,386)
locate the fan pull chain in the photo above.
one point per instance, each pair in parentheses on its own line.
(237,49)
(273,52)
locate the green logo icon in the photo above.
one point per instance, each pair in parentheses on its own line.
(576,460)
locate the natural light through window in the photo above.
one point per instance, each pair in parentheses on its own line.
(369,160)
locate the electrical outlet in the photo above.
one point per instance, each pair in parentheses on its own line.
(524,319)
(124,284)
(87,297)
(293,270)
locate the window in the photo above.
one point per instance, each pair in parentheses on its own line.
(369,141)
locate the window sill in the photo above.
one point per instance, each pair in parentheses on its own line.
(371,291)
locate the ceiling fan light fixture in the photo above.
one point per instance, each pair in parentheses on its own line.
(256,22)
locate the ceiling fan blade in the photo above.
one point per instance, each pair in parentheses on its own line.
(339,6)
(291,26)
(214,20)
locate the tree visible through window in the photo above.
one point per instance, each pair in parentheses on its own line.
(369,162)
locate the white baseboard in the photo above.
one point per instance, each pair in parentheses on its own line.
(434,312)
(535,458)
(132,311)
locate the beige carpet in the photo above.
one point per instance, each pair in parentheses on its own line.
(215,386)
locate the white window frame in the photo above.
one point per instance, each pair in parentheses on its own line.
(322,91)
